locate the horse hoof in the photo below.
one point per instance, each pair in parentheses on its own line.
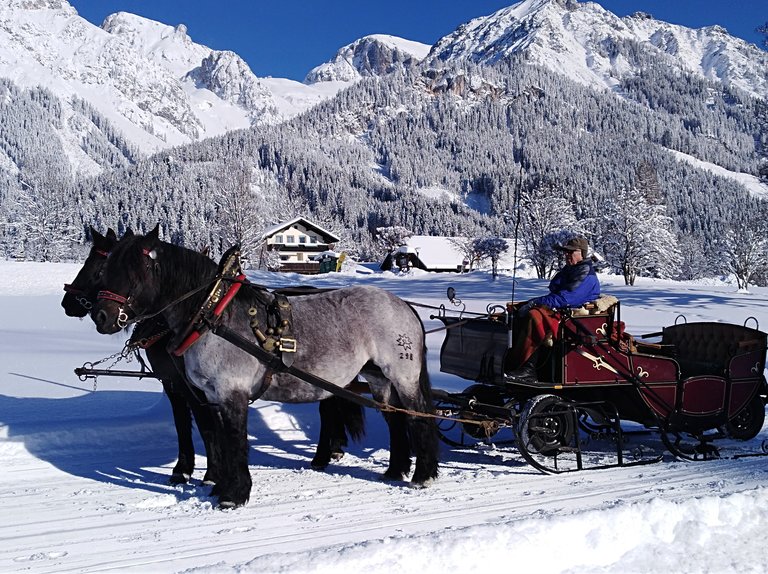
(337,455)
(179,478)
(393,476)
(317,466)
(227,503)
(422,484)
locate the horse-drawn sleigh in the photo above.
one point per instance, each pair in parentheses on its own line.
(698,382)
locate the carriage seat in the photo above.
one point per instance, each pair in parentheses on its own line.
(707,348)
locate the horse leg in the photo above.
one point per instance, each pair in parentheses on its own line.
(232,443)
(205,425)
(424,442)
(330,421)
(423,432)
(182,419)
(337,418)
(201,410)
(399,448)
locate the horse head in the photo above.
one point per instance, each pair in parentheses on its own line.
(144,274)
(80,295)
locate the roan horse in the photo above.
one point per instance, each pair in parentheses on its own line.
(337,415)
(338,334)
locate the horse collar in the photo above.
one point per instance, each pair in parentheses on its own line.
(230,280)
(277,337)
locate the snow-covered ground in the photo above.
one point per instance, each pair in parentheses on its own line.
(84,481)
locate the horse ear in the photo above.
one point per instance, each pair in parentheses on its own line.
(206,251)
(154,235)
(111,234)
(95,235)
(128,233)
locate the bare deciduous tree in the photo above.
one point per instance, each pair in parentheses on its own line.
(745,250)
(547,218)
(491,248)
(636,237)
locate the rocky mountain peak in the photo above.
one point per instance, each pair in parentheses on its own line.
(374,55)
(569,37)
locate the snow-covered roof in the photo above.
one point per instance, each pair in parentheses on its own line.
(331,237)
(439,253)
(435,252)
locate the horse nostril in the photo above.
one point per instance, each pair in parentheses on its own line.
(101,318)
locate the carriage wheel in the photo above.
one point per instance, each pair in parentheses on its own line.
(748,422)
(546,426)
(460,434)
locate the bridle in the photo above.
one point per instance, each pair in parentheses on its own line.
(123,319)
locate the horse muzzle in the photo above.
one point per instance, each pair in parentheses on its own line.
(111,313)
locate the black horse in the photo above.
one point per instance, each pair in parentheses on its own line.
(337,416)
(333,335)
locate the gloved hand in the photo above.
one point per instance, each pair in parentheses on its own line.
(523,310)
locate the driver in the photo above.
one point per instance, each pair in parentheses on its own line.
(538,319)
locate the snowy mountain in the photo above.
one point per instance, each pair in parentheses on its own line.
(149,80)
(374,55)
(591,45)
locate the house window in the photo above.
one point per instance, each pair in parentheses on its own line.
(312,239)
(278,238)
(290,239)
(303,239)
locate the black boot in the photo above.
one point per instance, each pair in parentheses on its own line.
(525,374)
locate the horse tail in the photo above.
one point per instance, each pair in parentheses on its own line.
(353,417)
(425,385)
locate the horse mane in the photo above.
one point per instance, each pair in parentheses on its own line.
(174,270)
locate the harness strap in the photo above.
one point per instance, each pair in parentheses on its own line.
(110,296)
(199,327)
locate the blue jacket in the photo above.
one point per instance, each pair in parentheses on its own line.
(573,286)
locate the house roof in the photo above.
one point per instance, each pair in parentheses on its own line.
(330,237)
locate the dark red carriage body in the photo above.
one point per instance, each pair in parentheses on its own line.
(698,376)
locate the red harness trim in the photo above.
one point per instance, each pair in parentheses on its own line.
(102,253)
(109,296)
(199,329)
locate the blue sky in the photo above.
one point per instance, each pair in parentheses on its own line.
(287,38)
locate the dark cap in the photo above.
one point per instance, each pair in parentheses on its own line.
(575,244)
